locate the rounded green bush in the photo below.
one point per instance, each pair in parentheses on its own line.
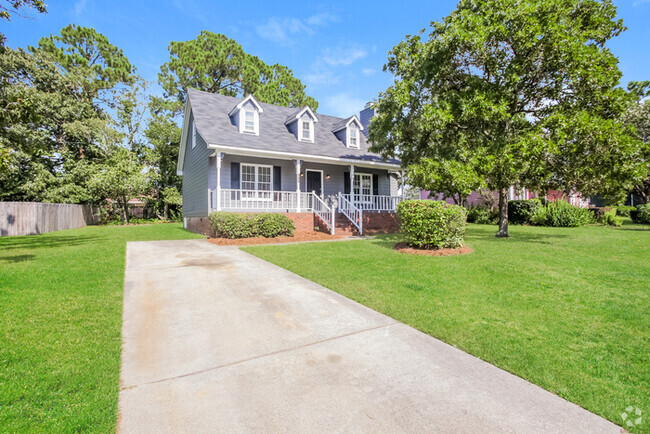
(234,225)
(562,214)
(521,212)
(624,210)
(431,224)
(641,214)
(482,215)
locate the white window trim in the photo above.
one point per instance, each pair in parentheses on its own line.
(242,121)
(360,194)
(349,129)
(311,131)
(193,134)
(322,181)
(241,181)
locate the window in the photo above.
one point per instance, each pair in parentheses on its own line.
(258,180)
(354,136)
(193,135)
(249,121)
(363,187)
(306,131)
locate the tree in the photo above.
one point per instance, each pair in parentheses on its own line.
(640,88)
(453,179)
(638,115)
(164,136)
(503,79)
(120,178)
(13,8)
(215,63)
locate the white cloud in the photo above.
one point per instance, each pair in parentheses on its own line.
(321,77)
(79,7)
(638,2)
(284,30)
(342,105)
(343,55)
(368,71)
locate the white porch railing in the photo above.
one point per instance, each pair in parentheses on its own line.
(354,214)
(323,211)
(260,200)
(371,202)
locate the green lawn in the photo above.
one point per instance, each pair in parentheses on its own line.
(60,326)
(566,308)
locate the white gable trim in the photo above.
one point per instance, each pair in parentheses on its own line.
(241,104)
(347,124)
(299,115)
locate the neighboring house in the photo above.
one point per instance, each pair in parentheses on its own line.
(476,198)
(240,155)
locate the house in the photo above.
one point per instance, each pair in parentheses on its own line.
(240,155)
(477,198)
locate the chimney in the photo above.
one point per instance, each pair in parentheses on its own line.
(365,115)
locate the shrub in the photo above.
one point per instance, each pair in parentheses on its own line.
(271,225)
(521,212)
(624,210)
(598,212)
(641,214)
(562,214)
(610,218)
(430,224)
(268,225)
(482,215)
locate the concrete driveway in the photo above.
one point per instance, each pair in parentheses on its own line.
(218,340)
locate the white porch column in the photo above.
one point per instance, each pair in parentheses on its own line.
(401,180)
(297,163)
(219,159)
(352,184)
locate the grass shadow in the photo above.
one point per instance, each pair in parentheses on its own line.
(16,258)
(524,237)
(45,241)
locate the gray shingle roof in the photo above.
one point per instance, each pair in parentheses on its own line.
(216,127)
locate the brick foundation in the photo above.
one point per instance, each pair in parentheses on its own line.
(199,225)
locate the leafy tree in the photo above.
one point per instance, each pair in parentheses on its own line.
(14,6)
(121,177)
(215,63)
(640,88)
(638,115)
(164,136)
(452,178)
(503,80)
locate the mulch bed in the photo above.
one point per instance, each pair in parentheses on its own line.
(403,248)
(301,237)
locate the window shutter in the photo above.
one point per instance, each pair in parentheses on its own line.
(234,176)
(277,178)
(375,184)
(346,182)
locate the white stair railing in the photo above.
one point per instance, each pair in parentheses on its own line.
(323,211)
(354,214)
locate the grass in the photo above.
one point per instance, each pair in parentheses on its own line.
(60,326)
(565,308)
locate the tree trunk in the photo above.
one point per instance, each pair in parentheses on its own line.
(125,210)
(165,211)
(503,214)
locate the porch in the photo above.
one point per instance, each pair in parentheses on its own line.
(351,206)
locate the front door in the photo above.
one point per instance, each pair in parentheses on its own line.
(315,182)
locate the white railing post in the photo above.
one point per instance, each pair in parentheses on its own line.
(333,220)
(297,164)
(218,163)
(352,184)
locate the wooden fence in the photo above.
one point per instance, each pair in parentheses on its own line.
(29,218)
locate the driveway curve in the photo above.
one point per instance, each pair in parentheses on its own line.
(215,339)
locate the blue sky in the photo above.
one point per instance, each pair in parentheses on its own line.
(336,48)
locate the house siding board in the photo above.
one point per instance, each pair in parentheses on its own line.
(342,136)
(195,177)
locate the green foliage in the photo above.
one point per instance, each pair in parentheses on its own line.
(529,89)
(639,88)
(215,63)
(431,224)
(521,212)
(482,215)
(451,178)
(5,13)
(638,117)
(234,225)
(624,211)
(561,213)
(611,219)
(641,214)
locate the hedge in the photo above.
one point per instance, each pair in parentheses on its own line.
(521,212)
(482,215)
(562,214)
(641,214)
(234,225)
(430,224)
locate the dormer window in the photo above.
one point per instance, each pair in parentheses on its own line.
(306,131)
(301,124)
(249,121)
(246,115)
(354,136)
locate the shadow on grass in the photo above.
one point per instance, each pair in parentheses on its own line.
(523,237)
(16,258)
(45,241)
